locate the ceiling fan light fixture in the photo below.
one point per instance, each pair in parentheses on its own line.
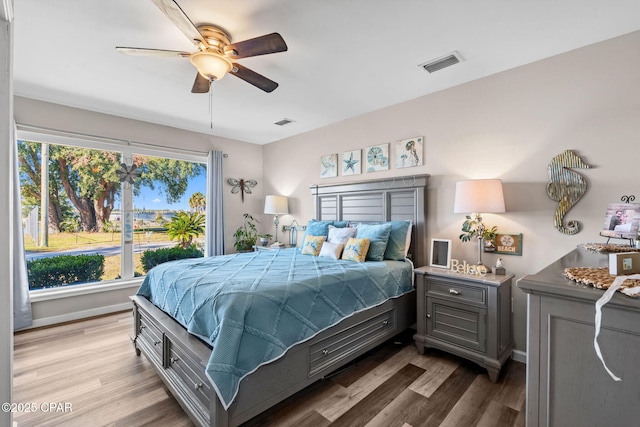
(211,65)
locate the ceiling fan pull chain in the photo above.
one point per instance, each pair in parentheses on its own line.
(211,107)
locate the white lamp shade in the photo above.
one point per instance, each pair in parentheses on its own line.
(479,196)
(276,205)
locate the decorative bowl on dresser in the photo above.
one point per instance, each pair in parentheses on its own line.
(466,315)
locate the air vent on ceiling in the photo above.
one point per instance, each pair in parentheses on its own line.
(442,62)
(283,122)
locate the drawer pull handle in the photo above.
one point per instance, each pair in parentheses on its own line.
(454,291)
(173,360)
(325,352)
(157,342)
(143,327)
(385,322)
(198,386)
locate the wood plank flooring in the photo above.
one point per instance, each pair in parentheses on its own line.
(91,367)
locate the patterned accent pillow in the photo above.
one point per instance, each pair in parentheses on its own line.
(399,240)
(379,236)
(356,249)
(331,250)
(341,235)
(312,245)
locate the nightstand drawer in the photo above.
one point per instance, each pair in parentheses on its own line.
(460,324)
(457,291)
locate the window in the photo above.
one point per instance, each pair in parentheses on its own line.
(111,212)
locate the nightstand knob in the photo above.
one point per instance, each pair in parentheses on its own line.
(325,352)
(157,342)
(454,291)
(173,360)
(385,322)
(428,316)
(198,386)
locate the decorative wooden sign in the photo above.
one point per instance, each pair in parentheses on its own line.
(508,244)
(470,269)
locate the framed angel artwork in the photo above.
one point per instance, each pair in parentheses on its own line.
(409,152)
(329,166)
(351,162)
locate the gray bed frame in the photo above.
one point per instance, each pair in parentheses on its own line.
(180,358)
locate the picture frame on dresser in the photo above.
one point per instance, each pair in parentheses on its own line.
(440,253)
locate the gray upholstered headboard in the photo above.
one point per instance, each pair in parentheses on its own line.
(391,199)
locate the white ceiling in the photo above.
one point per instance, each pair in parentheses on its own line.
(345,57)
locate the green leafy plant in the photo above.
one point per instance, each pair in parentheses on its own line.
(64,270)
(247,234)
(154,257)
(473,227)
(185,226)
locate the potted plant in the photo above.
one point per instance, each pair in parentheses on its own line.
(473,227)
(247,234)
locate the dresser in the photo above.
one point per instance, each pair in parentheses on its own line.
(469,316)
(566,382)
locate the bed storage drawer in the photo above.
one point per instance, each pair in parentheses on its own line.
(338,346)
(151,338)
(193,383)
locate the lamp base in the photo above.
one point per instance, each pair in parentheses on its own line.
(487,268)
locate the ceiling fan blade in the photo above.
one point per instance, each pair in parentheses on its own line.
(171,9)
(138,51)
(270,43)
(201,84)
(250,76)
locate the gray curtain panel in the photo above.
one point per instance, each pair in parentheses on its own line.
(214,240)
(21,302)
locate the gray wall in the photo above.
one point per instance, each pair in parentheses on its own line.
(509,126)
(6,294)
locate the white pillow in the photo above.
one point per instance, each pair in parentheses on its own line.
(341,235)
(331,250)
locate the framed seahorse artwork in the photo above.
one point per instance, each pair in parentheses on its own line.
(566,186)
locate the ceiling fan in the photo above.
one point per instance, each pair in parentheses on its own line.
(216,54)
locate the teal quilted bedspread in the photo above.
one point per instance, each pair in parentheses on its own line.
(253,306)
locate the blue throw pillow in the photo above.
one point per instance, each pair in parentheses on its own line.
(399,240)
(321,228)
(379,236)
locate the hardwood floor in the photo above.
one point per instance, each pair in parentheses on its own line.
(89,371)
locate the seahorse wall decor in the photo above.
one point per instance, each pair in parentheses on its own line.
(566,187)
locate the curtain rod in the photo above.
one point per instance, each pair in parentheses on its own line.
(127,142)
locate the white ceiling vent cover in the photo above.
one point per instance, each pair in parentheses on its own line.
(442,62)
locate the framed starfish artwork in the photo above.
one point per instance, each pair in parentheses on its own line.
(352,162)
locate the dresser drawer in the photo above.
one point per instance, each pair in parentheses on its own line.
(456,291)
(338,346)
(191,372)
(151,338)
(460,324)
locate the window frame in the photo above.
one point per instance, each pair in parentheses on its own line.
(127,150)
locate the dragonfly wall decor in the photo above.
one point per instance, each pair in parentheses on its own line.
(242,186)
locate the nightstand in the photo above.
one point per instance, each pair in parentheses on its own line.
(268,248)
(469,316)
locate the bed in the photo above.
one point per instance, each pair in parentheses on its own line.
(201,364)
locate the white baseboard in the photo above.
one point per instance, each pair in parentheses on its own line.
(77,315)
(519,356)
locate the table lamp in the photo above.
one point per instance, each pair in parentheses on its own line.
(476,197)
(276,205)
